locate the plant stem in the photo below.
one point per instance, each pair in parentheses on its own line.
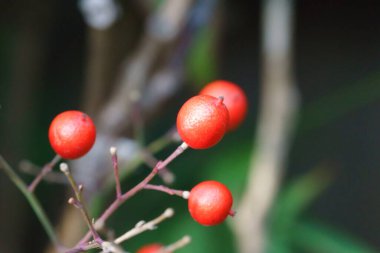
(119,201)
(45,170)
(165,189)
(81,204)
(178,244)
(146,226)
(33,201)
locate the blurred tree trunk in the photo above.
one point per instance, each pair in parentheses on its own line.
(278,109)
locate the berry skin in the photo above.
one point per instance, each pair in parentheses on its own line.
(151,248)
(202,121)
(72,134)
(234,99)
(210,203)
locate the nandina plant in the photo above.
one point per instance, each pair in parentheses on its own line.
(201,122)
(235,100)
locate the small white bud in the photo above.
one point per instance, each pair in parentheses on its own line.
(113,150)
(169,212)
(64,168)
(185,194)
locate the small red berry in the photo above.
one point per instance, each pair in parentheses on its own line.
(72,134)
(202,121)
(234,99)
(151,248)
(210,203)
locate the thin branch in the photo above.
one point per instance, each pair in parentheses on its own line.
(178,244)
(142,226)
(29,168)
(119,201)
(79,202)
(45,170)
(162,188)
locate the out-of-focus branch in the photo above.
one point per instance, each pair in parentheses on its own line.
(278,109)
(162,28)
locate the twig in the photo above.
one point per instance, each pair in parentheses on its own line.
(79,202)
(110,247)
(142,226)
(162,188)
(27,167)
(45,170)
(33,201)
(178,244)
(119,201)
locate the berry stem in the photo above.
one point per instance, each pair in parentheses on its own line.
(220,100)
(165,189)
(79,202)
(119,201)
(45,170)
(180,149)
(166,175)
(232,213)
(115,164)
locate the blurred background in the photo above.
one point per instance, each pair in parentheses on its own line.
(131,64)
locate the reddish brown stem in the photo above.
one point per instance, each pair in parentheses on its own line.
(232,213)
(119,201)
(165,189)
(45,170)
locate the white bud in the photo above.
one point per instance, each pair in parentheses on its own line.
(169,212)
(185,194)
(64,168)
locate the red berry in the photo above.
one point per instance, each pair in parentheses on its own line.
(72,134)
(234,99)
(210,203)
(151,248)
(202,121)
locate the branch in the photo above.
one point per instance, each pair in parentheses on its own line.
(142,226)
(119,201)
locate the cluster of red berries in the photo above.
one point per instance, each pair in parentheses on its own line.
(202,122)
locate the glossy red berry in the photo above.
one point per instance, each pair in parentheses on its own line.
(151,248)
(202,121)
(72,134)
(210,203)
(234,98)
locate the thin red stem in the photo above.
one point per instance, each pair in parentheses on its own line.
(119,201)
(45,170)
(165,189)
